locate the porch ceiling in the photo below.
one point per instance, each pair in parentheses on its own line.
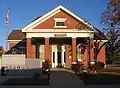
(58,40)
(62,40)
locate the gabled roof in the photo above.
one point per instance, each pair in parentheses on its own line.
(99,35)
(16,35)
(14,51)
(51,13)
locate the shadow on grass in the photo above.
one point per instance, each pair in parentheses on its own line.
(26,81)
(27,77)
(100,79)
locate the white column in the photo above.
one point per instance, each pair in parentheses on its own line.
(52,56)
(79,52)
(56,59)
(63,50)
(54,49)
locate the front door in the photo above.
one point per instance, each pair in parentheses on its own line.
(58,56)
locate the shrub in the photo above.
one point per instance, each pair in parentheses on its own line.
(99,65)
(116,62)
(74,67)
(45,65)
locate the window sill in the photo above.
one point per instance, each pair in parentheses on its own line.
(60,26)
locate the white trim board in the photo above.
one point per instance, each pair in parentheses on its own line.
(48,35)
(14,40)
(50,14)
(61,30)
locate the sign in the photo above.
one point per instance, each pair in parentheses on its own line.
(13,67)
(60,35)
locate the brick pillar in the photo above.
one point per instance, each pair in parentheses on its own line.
(50,55)
(91,49)
(74,49)
(47,50)
(28,48)
(68,54)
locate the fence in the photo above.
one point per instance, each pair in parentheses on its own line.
(18,65)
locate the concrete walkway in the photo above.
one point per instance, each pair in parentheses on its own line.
(64,79)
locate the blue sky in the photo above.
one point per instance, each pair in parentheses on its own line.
(22,12)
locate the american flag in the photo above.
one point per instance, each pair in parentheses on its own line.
(7,18)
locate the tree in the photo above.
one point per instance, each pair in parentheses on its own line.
(1,50)
(111,18)
(97,47)
(113,45)
(112,14)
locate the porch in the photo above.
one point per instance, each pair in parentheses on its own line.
(59,51)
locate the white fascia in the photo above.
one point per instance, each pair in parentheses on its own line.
(14,41)
(61,31)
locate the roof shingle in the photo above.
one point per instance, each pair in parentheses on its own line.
(99,35)
(16,35)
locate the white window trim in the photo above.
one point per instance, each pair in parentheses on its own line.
(60,20)
(60,26)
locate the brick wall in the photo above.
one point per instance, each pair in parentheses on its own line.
(101,55)
(12,44)
(71,22)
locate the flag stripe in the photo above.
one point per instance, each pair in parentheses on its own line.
(7,18)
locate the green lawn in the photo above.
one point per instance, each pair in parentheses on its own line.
(27,81)
(107,76)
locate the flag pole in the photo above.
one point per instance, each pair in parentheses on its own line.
(6,38)
(7,24)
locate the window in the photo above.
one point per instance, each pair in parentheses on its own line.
(60,23)
(41,51)
(65,57)
(53,57)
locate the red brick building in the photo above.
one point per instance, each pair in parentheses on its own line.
(58,36)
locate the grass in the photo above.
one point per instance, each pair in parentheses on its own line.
(26,81)
(107,76)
